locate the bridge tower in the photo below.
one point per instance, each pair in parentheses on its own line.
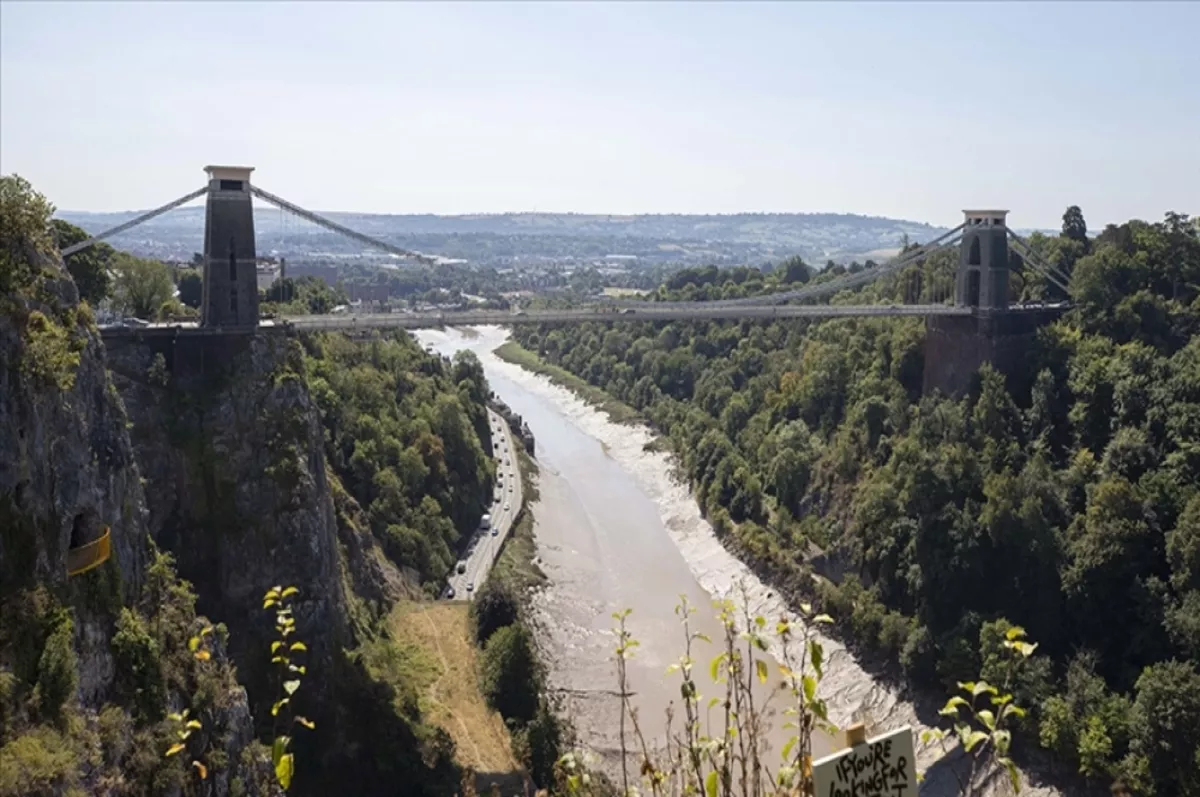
(230,297)
(997,332)
(982,277)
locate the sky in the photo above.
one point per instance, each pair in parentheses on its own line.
(906,110)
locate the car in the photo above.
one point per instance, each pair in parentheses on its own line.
(462,567)
(510,488)
(470,586)
(506,507)
(449,592)
(495,532)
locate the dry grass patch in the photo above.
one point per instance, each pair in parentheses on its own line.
(452,699)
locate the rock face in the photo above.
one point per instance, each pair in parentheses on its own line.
(68,473)
(237,488)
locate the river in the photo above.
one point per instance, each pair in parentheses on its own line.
(615,530)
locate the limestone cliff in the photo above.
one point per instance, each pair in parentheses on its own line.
(74,717)
(232,448)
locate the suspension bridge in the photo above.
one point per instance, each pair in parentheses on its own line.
(927,281)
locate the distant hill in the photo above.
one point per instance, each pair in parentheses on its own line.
(743,237)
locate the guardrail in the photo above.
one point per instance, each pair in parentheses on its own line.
(93,554)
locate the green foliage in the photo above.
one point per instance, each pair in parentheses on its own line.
(303,295)
(286,651)
(138,681)
(510,673)
(1059,498)
(191,287)
(40,762)
(408,437)
(58,672)
(51,355)
(983,715)
(493,608)
(141,286)
(24,229)
(89,267)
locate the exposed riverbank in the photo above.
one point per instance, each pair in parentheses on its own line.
(853,694)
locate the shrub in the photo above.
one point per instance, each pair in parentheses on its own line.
(510,674)
(57,671)
(494,608)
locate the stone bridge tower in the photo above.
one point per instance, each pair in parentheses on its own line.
(996,332)
(230,298)
(982,277)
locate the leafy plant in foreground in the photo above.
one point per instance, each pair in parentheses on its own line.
(291,673)
(981,731)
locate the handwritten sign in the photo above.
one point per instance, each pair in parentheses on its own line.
(881,767)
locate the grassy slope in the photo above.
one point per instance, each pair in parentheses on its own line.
(618,411)
(441,634)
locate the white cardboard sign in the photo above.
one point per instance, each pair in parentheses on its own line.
(881,767)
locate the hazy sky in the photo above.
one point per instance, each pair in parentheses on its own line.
(896,109)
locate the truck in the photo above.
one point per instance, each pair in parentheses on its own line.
(485,521)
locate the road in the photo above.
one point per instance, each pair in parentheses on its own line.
(484,547)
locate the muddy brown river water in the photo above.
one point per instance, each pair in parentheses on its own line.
(616,531)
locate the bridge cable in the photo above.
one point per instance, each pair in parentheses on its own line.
(321,221)
(854,280)
(120,228)
(1041,266)
(840,283)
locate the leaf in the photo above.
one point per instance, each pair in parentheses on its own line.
(674,668)
(201,770)
(269,602)
(194,724)
(208,629)
(297,668)
(951,707)
(713,701)
(981,687)
(710,784)
(278,748)
(714,667)
(202,655)
(703,637)
(988,719)
(291,686)
(806,609)
(173,749)
(193,643)
(278,705)
(175,717)
(810,688)
(787,748)
(289,592)
(284,769)
(973,739)
(276,645)
(760,621)
(1013,775)
(306,722)
(760,667)
(1016,632)
(298,646)
(823,618)
(817,654)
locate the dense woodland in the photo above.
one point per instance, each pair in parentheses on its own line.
(1065,499)
(407,433)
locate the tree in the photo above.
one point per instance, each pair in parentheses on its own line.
(141,286)
(510,674)
(89,267)
(494,607)
(1166,726)
(1073,225)
(191,287)
(794,269)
